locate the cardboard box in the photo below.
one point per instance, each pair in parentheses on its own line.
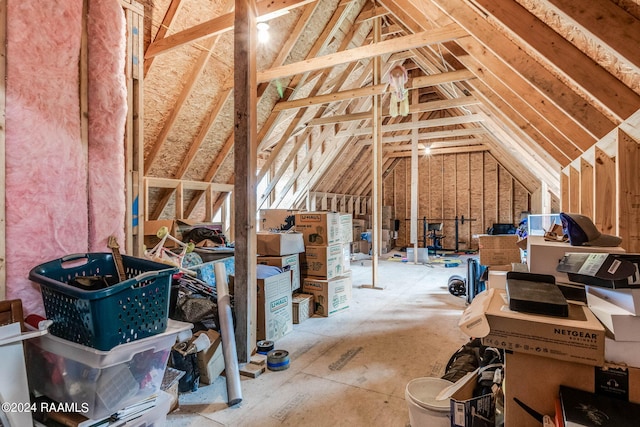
(543,256)
(621,324)
(330,296)
(629,299)
(536,380)
(354,247)
(275,318)
(303,307)
(464,405)
(364,247)
(577,338)
(358,222)
(497,241)
(210,361)
(346,228)
(322,261)
(286,262)
(346,257)
(319,228)
(276,219)
(622,352)
(276,244)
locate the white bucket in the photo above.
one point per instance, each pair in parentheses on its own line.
(424,409)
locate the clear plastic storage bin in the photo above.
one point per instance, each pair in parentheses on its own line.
(100,383)
(538,224)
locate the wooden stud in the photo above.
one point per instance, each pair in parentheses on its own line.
(628,191)
(605,209)
(574,190)
(586,188)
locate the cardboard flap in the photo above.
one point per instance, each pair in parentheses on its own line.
(474,321)
(448,392)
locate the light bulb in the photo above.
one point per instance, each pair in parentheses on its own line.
(263,32)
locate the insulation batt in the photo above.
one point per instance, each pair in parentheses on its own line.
(48,184)
(107,115)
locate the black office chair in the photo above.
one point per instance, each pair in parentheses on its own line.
(435,236)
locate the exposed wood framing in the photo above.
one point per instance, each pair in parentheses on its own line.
(363,52)
(133,132)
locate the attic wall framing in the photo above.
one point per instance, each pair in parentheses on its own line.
(603,184)
(133,132)
(474,185)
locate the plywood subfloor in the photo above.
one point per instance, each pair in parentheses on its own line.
(351,369)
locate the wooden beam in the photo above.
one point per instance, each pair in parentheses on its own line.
(443,104)
(430,135)
(612,97)
(218,25)
(190,82)
(245,119)
(169,183)
(169,16)
(555,92)
(438,151)
(384,47)
(331,97)
(423,124)
(607,21)
(416,83)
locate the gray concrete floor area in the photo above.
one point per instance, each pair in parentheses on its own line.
(350,369)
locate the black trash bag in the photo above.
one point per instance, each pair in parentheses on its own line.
(198,234)
(466,359)
(188,363)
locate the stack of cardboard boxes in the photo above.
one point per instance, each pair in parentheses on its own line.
(362,233)
(585,350)
(275,305)
(323,262)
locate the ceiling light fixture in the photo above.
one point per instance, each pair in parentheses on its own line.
(427,150)
(263,32)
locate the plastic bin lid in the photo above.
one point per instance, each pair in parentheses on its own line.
(423,392)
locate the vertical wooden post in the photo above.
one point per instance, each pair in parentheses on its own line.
(628,191)
(244,95)
(134,130)
(377,166)
(3,109)
(414,181)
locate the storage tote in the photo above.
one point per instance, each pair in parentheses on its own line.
(100,383)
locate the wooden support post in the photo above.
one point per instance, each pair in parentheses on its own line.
(376,216)
(245,164)
(414,182)
(134,130)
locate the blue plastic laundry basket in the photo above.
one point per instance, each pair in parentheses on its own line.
(126,311)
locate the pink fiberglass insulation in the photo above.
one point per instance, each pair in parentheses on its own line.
(46,169)
(107,116)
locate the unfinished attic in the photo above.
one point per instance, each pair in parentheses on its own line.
(427,123)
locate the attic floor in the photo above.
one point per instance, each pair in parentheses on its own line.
(350,369)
